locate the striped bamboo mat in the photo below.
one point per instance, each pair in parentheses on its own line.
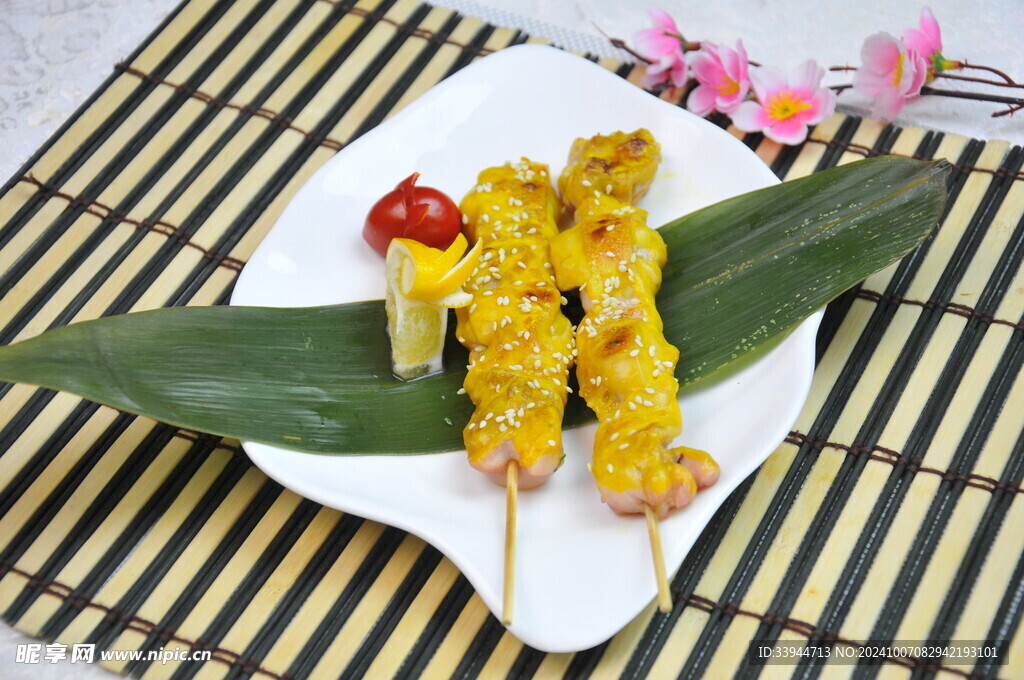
(892,511)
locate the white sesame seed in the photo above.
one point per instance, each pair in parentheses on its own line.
(634,353)
(614,436)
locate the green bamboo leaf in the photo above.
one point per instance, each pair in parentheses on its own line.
(743,271)
(741,274)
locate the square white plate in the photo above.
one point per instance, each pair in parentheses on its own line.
(583,572)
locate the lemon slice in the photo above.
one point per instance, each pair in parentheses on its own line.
(440,275)
(418,314)
(416,329)
(433,262)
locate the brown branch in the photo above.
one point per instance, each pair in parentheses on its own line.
(971,79)
(621,44)
(1008,79)
(1009,111)
(977,96)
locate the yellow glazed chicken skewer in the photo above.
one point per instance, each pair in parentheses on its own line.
(520,345)
(625,365)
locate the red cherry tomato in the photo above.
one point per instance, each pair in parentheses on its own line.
(421,213)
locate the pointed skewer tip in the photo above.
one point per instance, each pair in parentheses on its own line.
(664,594)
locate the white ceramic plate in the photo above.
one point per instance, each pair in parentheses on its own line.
(583,572)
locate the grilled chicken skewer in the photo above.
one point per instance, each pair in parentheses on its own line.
(520,343)
(625,365)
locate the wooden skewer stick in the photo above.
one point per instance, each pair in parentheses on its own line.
(664,595)
(511,495)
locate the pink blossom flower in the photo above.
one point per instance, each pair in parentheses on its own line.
(722,74)
(663,45)
(889,74)
(927,40)
(785,107)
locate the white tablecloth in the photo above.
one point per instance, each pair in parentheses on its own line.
(53,53)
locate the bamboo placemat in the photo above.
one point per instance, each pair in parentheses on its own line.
(892,511)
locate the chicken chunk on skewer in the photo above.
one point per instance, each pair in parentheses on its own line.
(620,165)
(625,365)
(521,345)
